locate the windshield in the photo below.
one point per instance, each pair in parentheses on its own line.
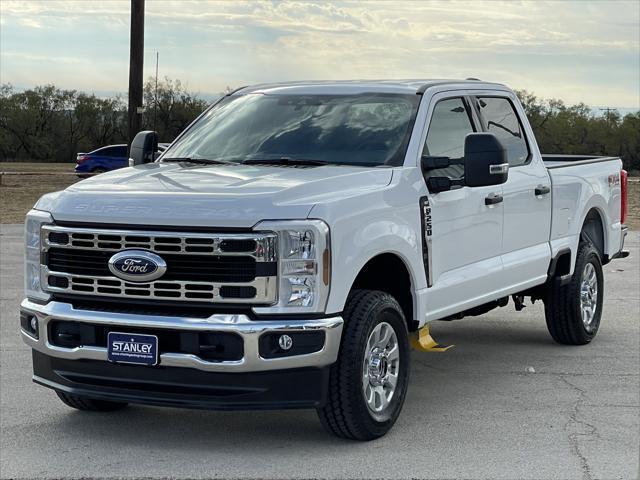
(363,129)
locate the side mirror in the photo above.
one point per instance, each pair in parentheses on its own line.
(485,160)
(143,148)
(439,184)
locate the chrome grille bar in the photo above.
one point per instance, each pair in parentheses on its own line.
(263,249)
(265,288)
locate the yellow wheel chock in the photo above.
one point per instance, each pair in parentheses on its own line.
(423,341)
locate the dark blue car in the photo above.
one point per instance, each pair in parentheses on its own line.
(102,159)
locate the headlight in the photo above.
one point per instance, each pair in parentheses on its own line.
(304,265)
(34,221)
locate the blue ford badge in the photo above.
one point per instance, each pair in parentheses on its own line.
(137,265)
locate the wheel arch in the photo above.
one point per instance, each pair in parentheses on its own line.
(593,231)
(390,273)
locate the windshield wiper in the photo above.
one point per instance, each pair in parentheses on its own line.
(284,161)
(203,161)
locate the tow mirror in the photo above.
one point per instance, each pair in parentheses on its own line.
(143,148)
(485,160)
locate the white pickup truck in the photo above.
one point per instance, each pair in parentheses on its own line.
(293,242)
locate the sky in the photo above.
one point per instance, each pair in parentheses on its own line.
(578,51)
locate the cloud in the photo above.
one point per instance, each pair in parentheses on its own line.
(581,51)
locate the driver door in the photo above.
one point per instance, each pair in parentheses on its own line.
(466,231)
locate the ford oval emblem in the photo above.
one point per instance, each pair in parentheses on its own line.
(137,265)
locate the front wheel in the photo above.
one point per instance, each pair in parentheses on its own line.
(368,383)
(573,311)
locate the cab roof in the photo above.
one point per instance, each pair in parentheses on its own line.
(359,86)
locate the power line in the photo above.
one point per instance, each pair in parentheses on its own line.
(608,110)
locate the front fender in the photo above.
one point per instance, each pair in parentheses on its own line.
(368,225)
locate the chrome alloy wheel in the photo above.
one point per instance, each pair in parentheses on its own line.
(588,296)
(380,369)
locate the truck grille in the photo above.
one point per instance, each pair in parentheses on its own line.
(224,268)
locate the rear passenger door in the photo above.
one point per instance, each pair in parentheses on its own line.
(527,194)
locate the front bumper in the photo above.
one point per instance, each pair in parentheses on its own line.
(185,380)
(249,330)
(181,387)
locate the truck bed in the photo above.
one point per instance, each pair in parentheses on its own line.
(593,184)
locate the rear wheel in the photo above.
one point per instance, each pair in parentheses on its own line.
(97,171)
(89,404)
(573,311)
(369,381)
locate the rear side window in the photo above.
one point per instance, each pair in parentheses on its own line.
(120,151)
(450,124)
(501,119)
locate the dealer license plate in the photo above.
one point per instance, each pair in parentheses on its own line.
(132,348)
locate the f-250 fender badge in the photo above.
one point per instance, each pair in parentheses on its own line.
(426,222)
(137,265)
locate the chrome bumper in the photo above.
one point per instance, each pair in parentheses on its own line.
(248,329)
(622,253)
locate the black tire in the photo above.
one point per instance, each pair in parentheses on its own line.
(97,171)
(89,404)
(563,305)
(346,413)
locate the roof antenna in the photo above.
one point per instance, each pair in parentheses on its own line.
(472,78)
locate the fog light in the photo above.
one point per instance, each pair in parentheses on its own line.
(29,324)
(279,345)
(285,342)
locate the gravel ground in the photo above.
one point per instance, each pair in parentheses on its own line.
(506,402)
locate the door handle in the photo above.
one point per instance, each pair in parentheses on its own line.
(542,190)
(493,199)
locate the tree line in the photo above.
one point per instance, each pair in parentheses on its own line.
(51,124)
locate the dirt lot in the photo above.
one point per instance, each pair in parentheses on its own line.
(19,193)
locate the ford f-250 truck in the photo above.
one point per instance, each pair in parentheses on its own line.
(294,241)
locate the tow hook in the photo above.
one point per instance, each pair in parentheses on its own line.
(424,342)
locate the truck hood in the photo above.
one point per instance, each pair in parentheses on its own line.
(212,195)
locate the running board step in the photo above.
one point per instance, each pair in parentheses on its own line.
(423,341)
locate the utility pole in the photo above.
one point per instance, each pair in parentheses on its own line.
(155,96)
(136,61)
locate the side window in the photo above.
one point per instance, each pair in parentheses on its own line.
(450,124)
(112,151)
(104,152)
(502,120)
(120,151)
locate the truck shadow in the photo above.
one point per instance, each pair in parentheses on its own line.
(481,346)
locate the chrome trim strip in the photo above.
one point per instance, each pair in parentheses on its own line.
(248,329)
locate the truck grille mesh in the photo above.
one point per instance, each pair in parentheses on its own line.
(224,268)
(205,268)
